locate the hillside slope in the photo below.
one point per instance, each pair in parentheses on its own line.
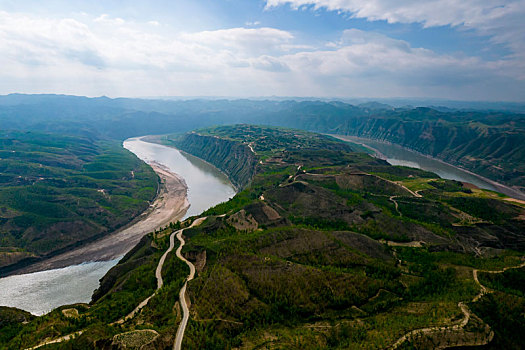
(486,142)
(324,248)
(493,151)
(235,159)
(57,191)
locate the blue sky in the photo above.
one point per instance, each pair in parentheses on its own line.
(466,50)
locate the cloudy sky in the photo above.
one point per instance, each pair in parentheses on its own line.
(455,49)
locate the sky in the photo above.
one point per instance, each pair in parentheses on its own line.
(451,49)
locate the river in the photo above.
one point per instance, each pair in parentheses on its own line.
(397,155)
(42,291)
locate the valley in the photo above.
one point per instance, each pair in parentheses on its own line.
(59,192)
(58,284)
(299,257)
(262,174)
(485,141)
(397,155)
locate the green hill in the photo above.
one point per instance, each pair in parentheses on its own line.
(488,142)
(58,191)
(323,248)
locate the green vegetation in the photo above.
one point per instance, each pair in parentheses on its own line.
(122,289)
(233,158)
(487,142)
(57,191)
(504,313)
(511,281)
(322,248)
(307,276)
(11,321)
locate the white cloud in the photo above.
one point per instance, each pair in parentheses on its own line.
(105,18)
(242,40)
(270,64)
(108,57)
(502,20)
(428,12)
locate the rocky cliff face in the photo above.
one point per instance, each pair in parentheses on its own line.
(235,159)
(494,151)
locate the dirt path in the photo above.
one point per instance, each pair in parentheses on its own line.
(57,340)
(251,147)
(392,199)
(429,330)
(484,290)
(158,271)
(160,282)
(412,244)
(466,312)
(182,296)
(170,205)
(415,194)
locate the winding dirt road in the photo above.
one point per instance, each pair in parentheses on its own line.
(466,312)
(423,331)
(393,200)
(182,296)
(158,271)
(484,290)
(160,282)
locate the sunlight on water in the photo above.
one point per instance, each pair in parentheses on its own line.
(401,162)
(397,155)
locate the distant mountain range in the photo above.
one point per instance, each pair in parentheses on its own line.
(488,142)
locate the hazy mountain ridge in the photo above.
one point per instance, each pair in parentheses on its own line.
(491,144)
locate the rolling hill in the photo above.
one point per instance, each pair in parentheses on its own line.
(323,247)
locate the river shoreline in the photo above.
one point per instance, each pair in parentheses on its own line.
(506,190)
(183,182)
(170,205)
(157,139)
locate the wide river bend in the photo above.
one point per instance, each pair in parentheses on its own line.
(40,292)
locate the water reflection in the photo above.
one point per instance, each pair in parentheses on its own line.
(41,292)
(207,186)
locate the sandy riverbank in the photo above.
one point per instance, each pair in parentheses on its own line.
(170,205)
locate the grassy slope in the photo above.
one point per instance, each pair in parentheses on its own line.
(121,290)
(295,261)
(58,190)
(304,278)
